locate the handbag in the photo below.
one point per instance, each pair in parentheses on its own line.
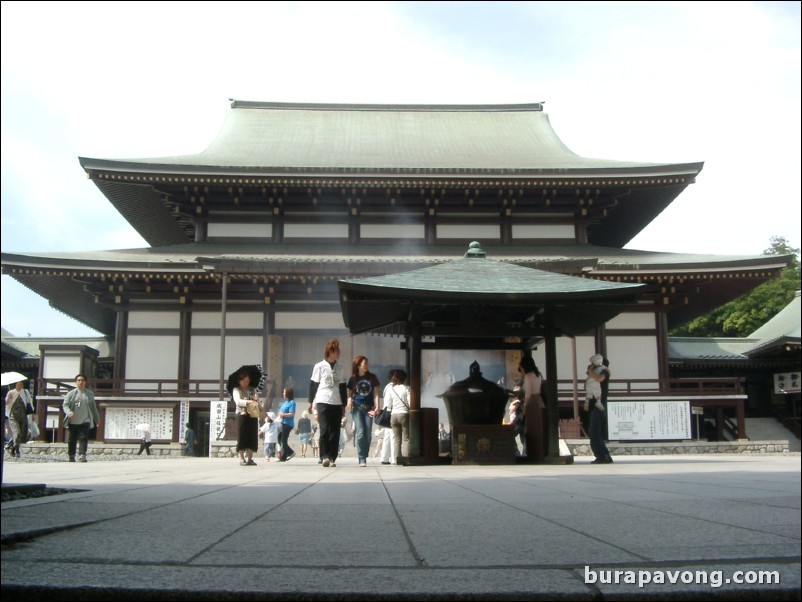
(253,409)
(382,418)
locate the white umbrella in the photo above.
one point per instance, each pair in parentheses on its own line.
(8,378)
(143,426)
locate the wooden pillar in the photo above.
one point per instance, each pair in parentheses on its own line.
(120,348)
(414,350)
(741,419)
(223,308)
(552,406)
(662,350)
(275,365)
(184,350)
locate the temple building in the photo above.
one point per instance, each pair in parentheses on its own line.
(249,239)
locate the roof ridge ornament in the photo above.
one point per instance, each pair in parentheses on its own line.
(475,251)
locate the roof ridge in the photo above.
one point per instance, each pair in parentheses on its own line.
(310,106)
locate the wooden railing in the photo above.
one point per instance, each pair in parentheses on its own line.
(136,387)
(645,388)
(206,388)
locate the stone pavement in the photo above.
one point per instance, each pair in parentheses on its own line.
(209,529)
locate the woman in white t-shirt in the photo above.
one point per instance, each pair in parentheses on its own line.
(396,399)
(328,395)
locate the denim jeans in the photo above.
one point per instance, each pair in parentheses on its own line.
(363,424)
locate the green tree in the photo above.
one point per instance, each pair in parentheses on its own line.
(744,315)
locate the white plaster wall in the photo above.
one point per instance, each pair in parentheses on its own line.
(154,319)
(204,361)
(632,357)
(62,366)
(416,231)
(632,320)
(469,232)
(315,230)
(543,231)
(151,357)
(239,230)
(207,319)
(286,320)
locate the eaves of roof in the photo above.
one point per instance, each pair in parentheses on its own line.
(191,258)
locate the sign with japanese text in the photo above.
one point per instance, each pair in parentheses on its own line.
(648,420)
(217,420)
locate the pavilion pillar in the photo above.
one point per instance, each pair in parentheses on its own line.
(414,357)
(552,405)
(223,309)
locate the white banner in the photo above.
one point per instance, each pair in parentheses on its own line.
(217,421)
(648,420)
(183,418)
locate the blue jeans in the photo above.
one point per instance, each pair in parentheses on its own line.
(363,424)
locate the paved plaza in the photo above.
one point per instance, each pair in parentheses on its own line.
(209,529)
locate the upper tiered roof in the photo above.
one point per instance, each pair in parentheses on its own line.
(327,139)
(446,150)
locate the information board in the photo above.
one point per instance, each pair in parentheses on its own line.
(648,420)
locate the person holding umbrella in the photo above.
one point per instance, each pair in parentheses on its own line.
(244,393)
(81,416)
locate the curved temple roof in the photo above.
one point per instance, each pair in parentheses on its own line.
(261,138)
(511,298)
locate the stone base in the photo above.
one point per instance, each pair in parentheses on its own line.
(581,447)
(95,449)
(482,444)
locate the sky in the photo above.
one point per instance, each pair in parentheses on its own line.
(673,82)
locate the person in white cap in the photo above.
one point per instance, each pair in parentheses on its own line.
(269,431)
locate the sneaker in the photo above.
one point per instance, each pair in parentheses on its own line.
(82,458)
(326,463)
(386,463)
(243,463)
(333,465)
(363,464)
(250,463)
(291,456)
(72,459)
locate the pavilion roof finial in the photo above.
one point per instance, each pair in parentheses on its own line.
(475,250)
